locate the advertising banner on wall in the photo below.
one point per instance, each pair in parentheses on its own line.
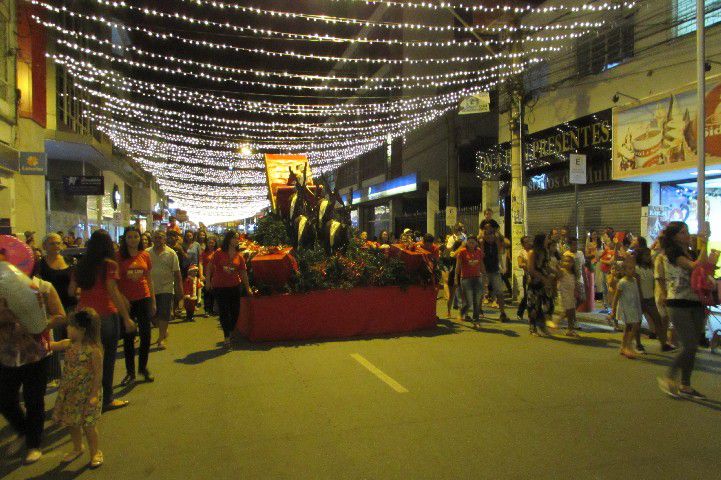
(659,135)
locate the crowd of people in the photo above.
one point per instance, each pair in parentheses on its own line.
(112,292)
(632,280)
(118,292)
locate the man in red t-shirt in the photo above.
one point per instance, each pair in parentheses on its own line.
(469,268)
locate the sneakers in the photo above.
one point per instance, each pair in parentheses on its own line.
(147,376)
(691,393)
(33,456)
(128,380)
(640,350)
(668,386)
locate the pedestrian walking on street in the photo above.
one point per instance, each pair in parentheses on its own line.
(24,364)
(226,273)
(208,299)
(97,277)
(469,269)
(523,265)
(80,397)
(646,281)
(568,288)
(449,262)
(136,284)
(684,308)
(627,306)
(493,255)
(57,269)
(539,282)
(167,284)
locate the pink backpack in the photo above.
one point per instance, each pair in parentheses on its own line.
(705,286)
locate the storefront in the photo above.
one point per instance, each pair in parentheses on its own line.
(551,196)
(380,204)
(655,141)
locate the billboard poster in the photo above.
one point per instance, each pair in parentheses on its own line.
(659,135)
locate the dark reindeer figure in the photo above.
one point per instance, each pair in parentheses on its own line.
(334,224)
(303,226)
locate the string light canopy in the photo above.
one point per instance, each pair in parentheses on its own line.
(197,92)
(315,37)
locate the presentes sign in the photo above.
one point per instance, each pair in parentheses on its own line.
(84,185)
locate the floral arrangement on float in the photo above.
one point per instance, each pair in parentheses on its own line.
(316,278)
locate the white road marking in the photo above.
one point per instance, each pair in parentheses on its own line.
(379,373)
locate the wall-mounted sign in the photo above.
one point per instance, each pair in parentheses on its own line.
(33,163)
(659,135)
(477,103)
(84,185)
(589,135)
(556,179)
(451,216)
(395,186)
(577,168)
(115,197)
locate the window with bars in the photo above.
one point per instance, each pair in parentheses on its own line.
(685,15)
(606,49)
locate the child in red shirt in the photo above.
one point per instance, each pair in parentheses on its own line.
(191,288)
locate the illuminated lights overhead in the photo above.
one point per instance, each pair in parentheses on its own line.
(313,37)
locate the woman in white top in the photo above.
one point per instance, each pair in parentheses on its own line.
(684,308)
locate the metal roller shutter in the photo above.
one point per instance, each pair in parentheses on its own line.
(617,205)
(549,210)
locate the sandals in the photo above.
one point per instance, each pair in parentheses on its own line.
(72,455)
(115,405)
(97,459)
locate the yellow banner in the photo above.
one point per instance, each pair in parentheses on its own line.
(277,170)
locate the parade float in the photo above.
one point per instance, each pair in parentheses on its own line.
(316,279)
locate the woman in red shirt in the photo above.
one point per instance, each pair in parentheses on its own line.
(469,268)
(211,246)
(97,277)
(136,285)
(226,271)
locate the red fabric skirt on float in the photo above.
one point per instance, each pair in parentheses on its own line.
(327,314)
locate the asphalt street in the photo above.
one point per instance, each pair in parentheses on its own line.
(455,402)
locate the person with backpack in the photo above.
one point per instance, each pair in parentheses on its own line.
(684,307)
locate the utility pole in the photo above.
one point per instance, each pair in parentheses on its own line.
(516,128)
(701,122)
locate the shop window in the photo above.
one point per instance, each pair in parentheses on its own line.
(685,15)
(605,50)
